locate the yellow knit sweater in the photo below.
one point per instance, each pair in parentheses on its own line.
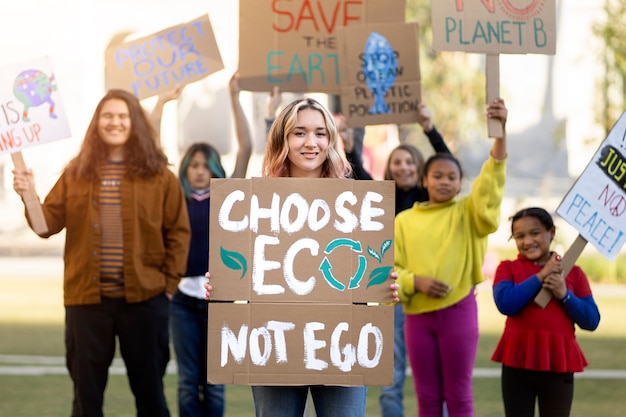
(447,241)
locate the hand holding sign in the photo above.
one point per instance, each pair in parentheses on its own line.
(555,280)
(567,262)
(23,184)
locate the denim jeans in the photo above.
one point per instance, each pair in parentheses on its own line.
(392,397)
(196,398)
(329,401)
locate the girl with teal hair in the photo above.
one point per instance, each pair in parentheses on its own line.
(188,310)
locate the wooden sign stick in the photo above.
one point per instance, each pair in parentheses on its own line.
(492,73)
(31,200)
(567,261)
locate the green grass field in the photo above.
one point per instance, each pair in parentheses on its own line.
(31,323)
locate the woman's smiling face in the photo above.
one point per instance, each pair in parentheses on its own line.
(403,169)
(308,145)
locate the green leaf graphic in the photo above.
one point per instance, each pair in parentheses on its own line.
(385,247)
(234,260)
(379,276)
(374,254)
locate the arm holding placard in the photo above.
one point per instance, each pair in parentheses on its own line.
(511,297)
(157,111)
(23,185)
(567,262)
(583,311)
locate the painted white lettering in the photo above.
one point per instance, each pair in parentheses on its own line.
(363,350)
(348,352)
(279,328)
(223,217)
(271,213)
(236,345)
(368,212)
(299,203)
(295,212)
(257,356)
(260,265)
(350,221)
(311,345)
(294,284)
(315,222)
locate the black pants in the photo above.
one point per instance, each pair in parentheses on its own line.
(554,392)
(142,331)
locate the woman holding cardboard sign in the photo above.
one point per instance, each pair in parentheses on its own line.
(303,142)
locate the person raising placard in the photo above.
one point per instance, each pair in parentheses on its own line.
(126,244)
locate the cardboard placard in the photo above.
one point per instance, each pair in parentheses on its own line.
(306,254)
(154,64)
(596,204)
(32,112)
(293,43)
(300,344)
(492,72)
(501,26)
(381,73)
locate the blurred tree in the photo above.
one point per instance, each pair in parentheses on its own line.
(453,86)
(613,84)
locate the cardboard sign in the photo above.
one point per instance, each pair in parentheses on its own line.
(154,64)
(304,257)
(492,84)
(494,26)
(300,344)
(381,74)
(32,111)
(596,203)
(293,43)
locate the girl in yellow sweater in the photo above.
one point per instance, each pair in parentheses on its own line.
(439,251)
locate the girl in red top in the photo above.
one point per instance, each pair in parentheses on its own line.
(538,349)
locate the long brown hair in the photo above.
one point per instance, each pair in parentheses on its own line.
(142,155)
(275,162)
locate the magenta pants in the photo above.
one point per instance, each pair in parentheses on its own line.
(441,346)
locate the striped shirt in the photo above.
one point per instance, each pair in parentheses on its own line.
(111,244)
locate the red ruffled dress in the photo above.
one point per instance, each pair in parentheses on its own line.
(535,338)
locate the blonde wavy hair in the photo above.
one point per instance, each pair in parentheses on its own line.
(275,162)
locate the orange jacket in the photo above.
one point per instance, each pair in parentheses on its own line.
(155,228)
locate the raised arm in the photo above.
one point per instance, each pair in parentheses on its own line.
(242,128)
(157,111)
(273,103)
(431,132)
